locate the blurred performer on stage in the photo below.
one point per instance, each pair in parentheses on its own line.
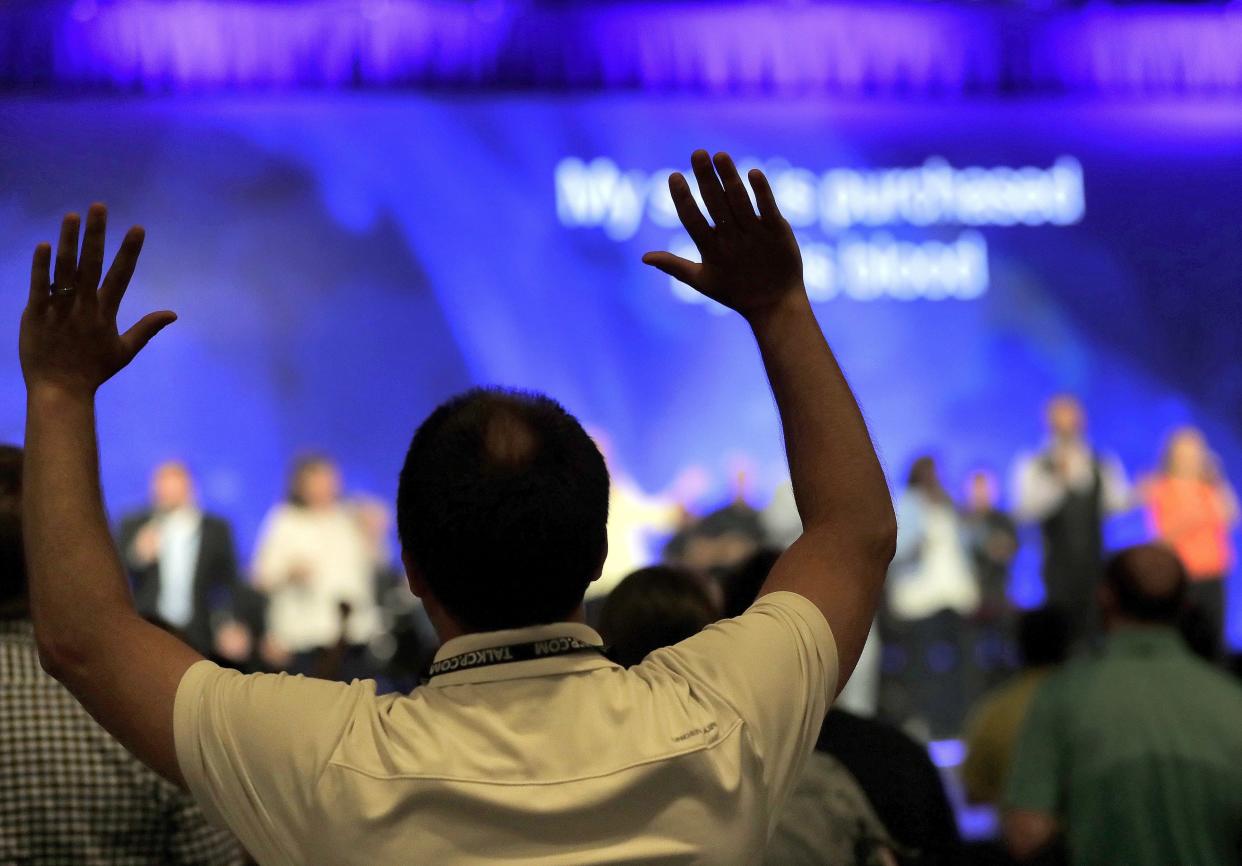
(407,641)
(932,589)
(932,570)
(781,527)
(781,523)
(317,565)
(725,537)
(993,540)
(1068,488)
(636,519)
(1192,509)
(183,566)
(375,519)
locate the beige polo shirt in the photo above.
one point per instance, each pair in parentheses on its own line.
(569,759)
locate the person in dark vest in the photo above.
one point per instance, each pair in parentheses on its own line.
(1068,488)
(182,564)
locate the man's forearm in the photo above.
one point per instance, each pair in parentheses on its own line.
(123,670)
(77,584)
(837,478)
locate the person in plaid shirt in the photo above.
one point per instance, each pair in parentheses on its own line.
(69,792)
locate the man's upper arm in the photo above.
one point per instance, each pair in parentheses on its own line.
(129,686)
(776,666)
(843,580)
(252,748)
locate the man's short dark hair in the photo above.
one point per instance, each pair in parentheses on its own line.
(652,608)
(503,508)
(12,553)
(1043,637)
(1148,582)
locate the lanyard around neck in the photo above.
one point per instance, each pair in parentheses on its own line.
(517,652)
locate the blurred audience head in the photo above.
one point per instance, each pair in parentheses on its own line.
(982,490)
(652,608)
(12,554)
(925,478)
(1043,637)
(1144,584)
(502,510)
(1186,455)
(1065,417)
(314,482)
(172,486)
(741,585)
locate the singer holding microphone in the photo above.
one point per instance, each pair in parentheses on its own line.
(182,564)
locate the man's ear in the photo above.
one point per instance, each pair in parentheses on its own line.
(413,576)
(600,570)
(442,621)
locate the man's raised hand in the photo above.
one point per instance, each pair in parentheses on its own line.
(69,337)
(751,262)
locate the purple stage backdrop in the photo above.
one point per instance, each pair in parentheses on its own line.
(344,260)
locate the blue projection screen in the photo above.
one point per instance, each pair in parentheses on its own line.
(341,263)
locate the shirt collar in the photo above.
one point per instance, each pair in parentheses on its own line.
(1145,640)
(551,666)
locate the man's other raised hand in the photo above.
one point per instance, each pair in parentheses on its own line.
(751,261)
(69,337)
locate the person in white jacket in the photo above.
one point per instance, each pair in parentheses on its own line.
(313,557)
(932,590)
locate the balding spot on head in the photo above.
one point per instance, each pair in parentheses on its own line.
(1149,582)
(508,440)
(1154,571)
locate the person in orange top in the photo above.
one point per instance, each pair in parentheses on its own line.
(1192,508)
